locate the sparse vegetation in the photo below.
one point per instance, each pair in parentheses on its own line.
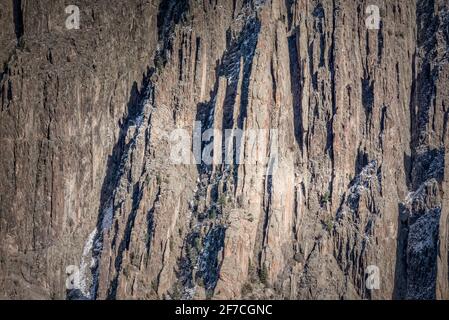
(126,272)
(209,294)
(325,198)
(191,254)
(159,61)
(176,294)
(263,275)
(195,203)
(200,281)
(329,225)
(246,289)
(222,200)
(253,272)
(197,244)
(213,214)
(154,285)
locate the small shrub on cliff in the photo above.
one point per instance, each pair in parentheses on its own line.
(159,61)
(325,198)
(329,225)
(213,214)
(176,294)
(154,285)
(222,200)
(263,274)
(200,282)
(246,289)
(197,244)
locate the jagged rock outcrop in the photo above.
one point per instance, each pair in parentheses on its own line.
(353,122)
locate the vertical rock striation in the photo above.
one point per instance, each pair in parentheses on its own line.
(354,123)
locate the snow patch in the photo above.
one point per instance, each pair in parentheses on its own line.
(87,262)
(108,215)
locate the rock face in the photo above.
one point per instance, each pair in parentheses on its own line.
(352,204)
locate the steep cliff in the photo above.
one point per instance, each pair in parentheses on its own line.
(353,122)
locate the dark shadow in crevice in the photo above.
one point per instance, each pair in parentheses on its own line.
(296,84)
(408,170)
(236,60)
(361,161)
(124,244)
(114,173)
(18,19)
(113,167)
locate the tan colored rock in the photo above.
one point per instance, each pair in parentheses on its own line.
(358,118)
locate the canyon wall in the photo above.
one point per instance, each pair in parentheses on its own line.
(353,120)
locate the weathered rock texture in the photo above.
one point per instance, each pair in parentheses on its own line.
(361,177)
